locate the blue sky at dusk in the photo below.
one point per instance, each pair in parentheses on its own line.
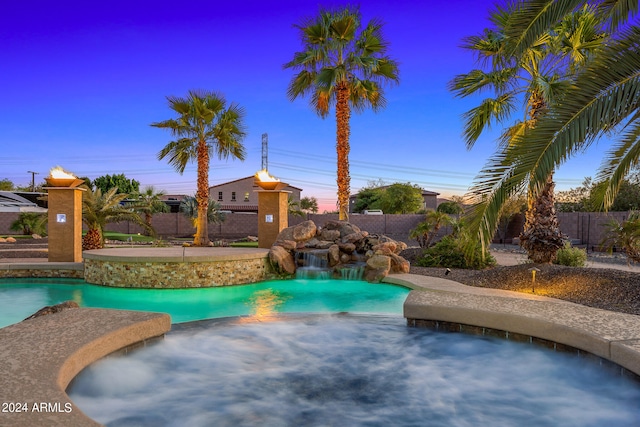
(82,81)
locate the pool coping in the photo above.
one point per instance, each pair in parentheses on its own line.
(39,357)
(609,335)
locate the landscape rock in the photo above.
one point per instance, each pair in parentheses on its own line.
(399,264)
(378,267)
(36,236)
(344,243)
(331,235)
(333,255)
(289,245)
(283,259)
(52,309)
(10,240)
(304,231)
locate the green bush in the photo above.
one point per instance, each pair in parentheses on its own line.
(571,257)
(449,252)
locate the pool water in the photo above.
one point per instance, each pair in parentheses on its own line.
(349,370)
(19,298)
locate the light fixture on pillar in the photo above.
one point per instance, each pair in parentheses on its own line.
(273,208)
(267,182)
(64,216)
(58,177)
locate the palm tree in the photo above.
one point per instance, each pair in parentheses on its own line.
(147,203)
(342,66)
(30,223)
(538,78)
(309,204)
(427,230)
(189,208)
(603,99)
(100,209)
(293,207)
(205,126)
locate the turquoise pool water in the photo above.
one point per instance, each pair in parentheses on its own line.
(19,298)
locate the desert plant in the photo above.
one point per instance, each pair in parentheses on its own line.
(99,209)
(30,223)
(449,253)
(426,231)
(570,256)
(625,235)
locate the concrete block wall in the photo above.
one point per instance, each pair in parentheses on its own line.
(588,228)
(6,219)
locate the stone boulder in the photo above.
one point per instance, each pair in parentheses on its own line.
(10,240)
(345,244)
(304,231)
(289,245)
(378,267)
(399,264)
(283,259)
(333,255)
(52,309)
(330,235)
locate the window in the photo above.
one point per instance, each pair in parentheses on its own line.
(220,196)
(246,196)
(233,196)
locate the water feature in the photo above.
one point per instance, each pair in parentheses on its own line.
(314,264)
(20,298)
(349,370)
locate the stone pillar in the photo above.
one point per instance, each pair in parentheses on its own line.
(65,224)
(273,215)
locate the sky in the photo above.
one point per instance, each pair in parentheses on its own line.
(81,83)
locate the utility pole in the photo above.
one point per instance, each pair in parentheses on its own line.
(265,151)
(33,180)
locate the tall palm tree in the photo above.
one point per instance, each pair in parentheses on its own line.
(99,209)
(604,99)
(147,203)
(345,66)
(537,78)
(205,126)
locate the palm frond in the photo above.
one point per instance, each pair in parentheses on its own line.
(619,161)
(479,118)
(531,19)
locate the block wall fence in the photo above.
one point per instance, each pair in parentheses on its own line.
(584,228)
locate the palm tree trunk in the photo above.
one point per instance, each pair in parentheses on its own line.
(92,240)
(201,237)
(342,147)
(541,236)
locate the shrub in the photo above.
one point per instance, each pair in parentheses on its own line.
(571,257)
(449,252)
(30,223)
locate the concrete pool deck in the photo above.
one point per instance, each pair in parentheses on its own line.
(39,357)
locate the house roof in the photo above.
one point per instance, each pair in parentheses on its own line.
(247,178)
(11,202)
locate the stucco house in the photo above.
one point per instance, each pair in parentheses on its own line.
(241,194)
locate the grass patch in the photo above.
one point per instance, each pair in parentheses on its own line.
(123,237)
(244,244)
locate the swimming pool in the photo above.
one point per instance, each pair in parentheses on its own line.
(351,370)
(19,298)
